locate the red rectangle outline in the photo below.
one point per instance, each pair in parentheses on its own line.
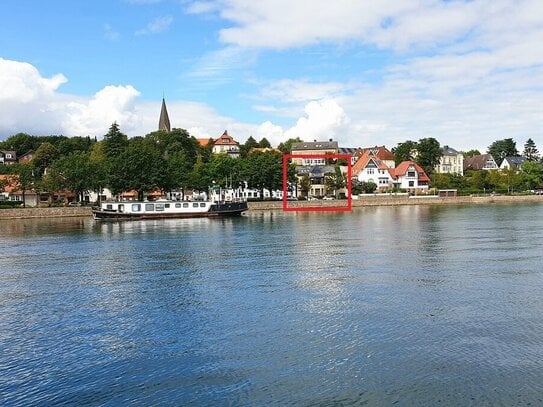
(348,208)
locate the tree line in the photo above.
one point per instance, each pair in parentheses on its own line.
(160,160)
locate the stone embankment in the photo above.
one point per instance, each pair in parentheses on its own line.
(365,200)
(392,200)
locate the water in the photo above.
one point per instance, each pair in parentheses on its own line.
(394,305)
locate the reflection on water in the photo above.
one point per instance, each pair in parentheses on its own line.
(409,305)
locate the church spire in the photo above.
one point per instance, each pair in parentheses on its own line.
(164,121)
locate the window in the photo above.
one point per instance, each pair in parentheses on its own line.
(149,207)
(178,205)
(109,207)
(136,207)
(166,205)
(411,184)
(370,170)
(195,204)
(202,205)
(185,204)
(411,174)
(159,207)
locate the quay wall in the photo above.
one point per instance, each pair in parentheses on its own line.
(365,200)
(392,200)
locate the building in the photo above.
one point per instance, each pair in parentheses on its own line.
(26,157)
(227,145)
(317,178)
(369,168)
(313,148)
(451,162)
(480,162)
(380,152)
(164,120)
(8,157)
(513,162)
(410,176)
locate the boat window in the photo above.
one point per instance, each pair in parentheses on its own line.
(159,207)
(150,207)
(136,207)
(109,206)
(166,205)
(185,205)
(202,205)
(121,208)
(178,205)
(195,204)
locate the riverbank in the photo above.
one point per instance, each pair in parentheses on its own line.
(367,200)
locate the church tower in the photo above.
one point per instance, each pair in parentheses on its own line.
(164,121)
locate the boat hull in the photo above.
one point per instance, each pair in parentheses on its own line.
(215,210)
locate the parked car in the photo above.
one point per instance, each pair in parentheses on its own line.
(311,198)
(328,198)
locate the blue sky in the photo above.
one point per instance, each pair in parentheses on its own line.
(364,73)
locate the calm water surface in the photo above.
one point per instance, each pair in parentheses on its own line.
(399,305)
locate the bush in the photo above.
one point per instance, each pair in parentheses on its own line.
(10,204)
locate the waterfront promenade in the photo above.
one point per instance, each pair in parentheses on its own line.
(368,200)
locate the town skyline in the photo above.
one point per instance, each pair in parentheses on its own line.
(464,73)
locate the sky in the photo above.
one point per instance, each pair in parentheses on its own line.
(364,73)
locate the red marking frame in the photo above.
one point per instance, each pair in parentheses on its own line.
(347,208)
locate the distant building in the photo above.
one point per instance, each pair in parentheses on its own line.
(164,120)
(313,148)
(451,162)
(410,176)
(226,144)
(8,157)
(369,168)
(480,162)
(26,157)
(514,162)
(380,152)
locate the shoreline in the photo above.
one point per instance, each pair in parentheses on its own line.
(364,201)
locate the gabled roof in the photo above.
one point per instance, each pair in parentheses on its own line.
(381,152)
(477,162)
(225,140)
(515,161)
(364,160)
(314,145)
(403,167)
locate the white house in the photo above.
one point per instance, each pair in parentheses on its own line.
(451,162)
(369,168)
(409,175)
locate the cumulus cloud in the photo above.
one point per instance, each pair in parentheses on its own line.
(32,103)
(323,120)
(156,26)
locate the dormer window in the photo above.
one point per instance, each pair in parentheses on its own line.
(225,140)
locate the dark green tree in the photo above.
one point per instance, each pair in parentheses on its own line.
(335,181)
(246,148)
(429,154)
(471,153)
(286,146)
(404,151)
(501,149)
(25,178)
(530,151)
(531,175)
(44,157)
(264,143)
(114,142)
(139,167)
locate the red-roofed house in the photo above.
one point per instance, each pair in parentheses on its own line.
(380,152)
(369,168)
(226,144)
(409,175)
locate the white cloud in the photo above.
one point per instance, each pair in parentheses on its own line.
(111,104)
(156,26)
(323,120)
